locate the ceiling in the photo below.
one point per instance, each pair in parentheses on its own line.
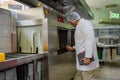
(4,0)
(101,3)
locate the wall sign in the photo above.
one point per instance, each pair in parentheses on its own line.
(114,15)
(60,18)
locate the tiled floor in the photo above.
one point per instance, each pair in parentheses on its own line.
(108,71)
(63,68)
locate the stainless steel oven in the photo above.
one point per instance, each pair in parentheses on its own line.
(62,40)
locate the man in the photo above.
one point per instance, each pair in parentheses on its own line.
(84,42)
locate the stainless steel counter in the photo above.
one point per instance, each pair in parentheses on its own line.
(111,51)
(15,59)
(107,46)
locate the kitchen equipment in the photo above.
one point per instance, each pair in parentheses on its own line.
(31,35)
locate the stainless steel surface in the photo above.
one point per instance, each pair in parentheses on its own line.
(56,62)
(107,46)
(19,59)
(52,32)
(32,28)
(108,35)
(64,6)
(61,67)
(7,31)
(25,66)
(11,74)
(39,64)
(4,11)
(67,6)
(35,3)
(52,36)
(35,33)
(29,22)
(45,34)
(30,71)
(69,37)
(108,40)
(53,25)
(2,76)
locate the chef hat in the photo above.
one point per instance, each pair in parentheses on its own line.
(73,16)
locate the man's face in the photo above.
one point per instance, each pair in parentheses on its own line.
(74,23)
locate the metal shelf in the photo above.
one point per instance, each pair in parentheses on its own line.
(109,21)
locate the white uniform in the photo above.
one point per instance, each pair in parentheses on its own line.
(85,41)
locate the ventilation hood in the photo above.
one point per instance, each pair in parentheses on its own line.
(31,3)
(64,6)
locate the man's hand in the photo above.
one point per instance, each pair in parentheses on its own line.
(69,48)
(86,61)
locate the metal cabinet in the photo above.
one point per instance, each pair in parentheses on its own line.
(30,71)
(11,74)
(2,76)
(39,70)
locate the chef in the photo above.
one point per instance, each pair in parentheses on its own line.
(84,43)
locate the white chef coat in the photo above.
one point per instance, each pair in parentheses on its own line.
(85,41)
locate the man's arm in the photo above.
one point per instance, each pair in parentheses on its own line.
(69,48)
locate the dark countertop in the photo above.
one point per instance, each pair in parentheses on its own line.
(15,59)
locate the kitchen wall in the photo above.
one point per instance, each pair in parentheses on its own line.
(103,13)
(107,30)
